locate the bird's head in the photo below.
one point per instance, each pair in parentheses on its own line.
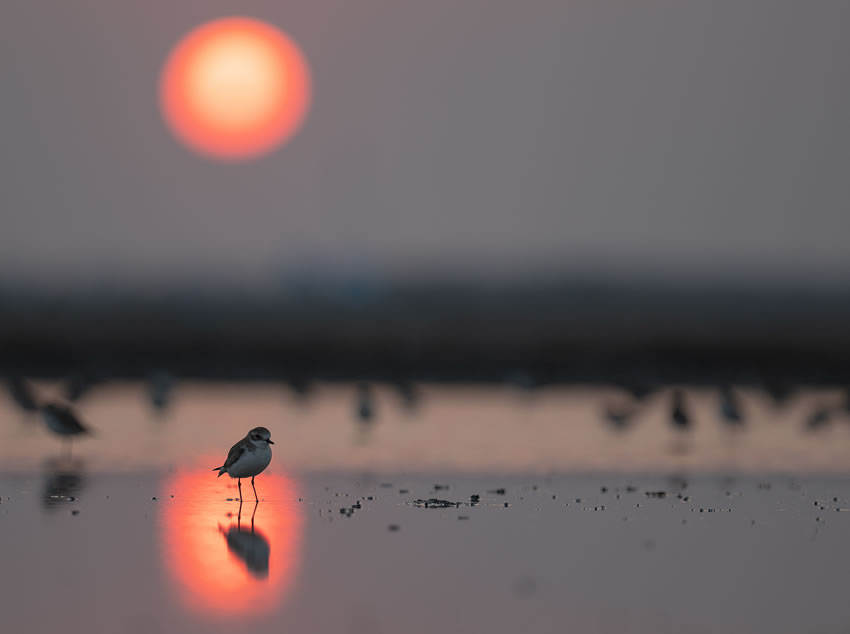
(260,437)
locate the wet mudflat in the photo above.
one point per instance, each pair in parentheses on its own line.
(350,552)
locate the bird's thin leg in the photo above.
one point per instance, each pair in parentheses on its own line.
(239,484)
(256,504)
(239,517)
(256,499)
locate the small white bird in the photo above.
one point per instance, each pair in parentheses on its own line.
(248,458)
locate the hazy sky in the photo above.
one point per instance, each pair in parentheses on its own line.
(465,135)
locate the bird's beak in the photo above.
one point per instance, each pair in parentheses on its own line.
(270,441)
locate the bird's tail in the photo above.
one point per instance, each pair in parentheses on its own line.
(220,471)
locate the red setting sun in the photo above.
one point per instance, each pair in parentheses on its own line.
(221,564)
(235,89)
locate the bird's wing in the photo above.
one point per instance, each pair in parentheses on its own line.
(234,454)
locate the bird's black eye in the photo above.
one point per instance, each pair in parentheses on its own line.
(255,437)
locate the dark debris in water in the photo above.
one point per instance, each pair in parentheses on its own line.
(348,511)
(435,503)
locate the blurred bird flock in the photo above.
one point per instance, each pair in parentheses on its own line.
(570,414)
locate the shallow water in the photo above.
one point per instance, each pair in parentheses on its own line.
(95,552)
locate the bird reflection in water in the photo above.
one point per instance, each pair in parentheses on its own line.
(63,482)
(250,546)
(223,562)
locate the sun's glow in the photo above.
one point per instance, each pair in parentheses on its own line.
(209,578)
(235,88)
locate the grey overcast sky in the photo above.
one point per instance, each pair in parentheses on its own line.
(487,138)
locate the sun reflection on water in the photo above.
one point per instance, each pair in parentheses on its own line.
(221,564)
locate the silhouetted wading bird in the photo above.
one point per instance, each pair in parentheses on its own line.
(365,403)
(408,394)
(301,388)
(248,458)
(160,388)
(620,418)
(364,413)
(730,408)
(679,415)
(61,420)
(819,418)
